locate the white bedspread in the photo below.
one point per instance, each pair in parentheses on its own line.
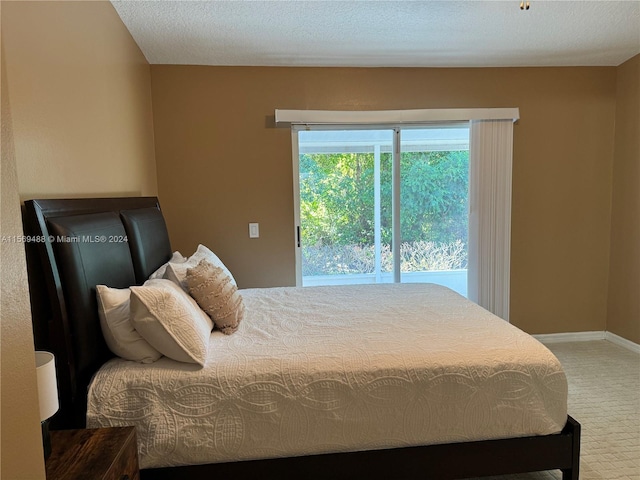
(325,369)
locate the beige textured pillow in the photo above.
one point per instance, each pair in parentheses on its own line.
(171,321)
(216,294)
(177,271)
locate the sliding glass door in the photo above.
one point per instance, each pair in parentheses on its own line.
(345,206)
(382,205)
(434,206)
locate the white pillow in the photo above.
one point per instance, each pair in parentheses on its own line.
(171,321)
(177,257)
(119,334)
(177,272)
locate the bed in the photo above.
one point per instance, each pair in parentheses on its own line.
(296,397)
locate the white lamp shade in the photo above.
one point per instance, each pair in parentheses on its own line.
(47,384)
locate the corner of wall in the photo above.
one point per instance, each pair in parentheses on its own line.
(21,443)
(623,303)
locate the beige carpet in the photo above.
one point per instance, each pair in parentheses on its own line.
(604,396)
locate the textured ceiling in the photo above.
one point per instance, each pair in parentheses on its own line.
(384,33)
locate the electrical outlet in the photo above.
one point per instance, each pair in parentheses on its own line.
(254,230)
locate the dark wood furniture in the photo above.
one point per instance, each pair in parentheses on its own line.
(93,454)
(71,254)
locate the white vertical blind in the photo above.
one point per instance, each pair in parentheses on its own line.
(490,165)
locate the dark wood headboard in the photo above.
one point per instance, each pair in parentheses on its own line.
(72,246)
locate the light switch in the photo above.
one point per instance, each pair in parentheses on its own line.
(254,230)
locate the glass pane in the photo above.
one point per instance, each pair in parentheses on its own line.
(345,206)
(434,211)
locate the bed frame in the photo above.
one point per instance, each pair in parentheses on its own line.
(73,245)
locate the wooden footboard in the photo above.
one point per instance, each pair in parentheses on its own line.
(449,461)
(574,428)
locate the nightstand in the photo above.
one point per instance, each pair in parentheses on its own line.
(93,454)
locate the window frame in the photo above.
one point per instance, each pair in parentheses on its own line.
(494,153)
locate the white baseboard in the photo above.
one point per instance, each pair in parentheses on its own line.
(623,342)
(570,337)
(587,337)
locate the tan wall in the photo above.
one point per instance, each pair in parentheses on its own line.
(76,121)
(623,316)
(80,93)
(20,441)
(222,164)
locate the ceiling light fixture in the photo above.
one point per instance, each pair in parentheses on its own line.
(524,5)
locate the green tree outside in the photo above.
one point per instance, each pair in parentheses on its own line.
(337,211)
(337,197)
